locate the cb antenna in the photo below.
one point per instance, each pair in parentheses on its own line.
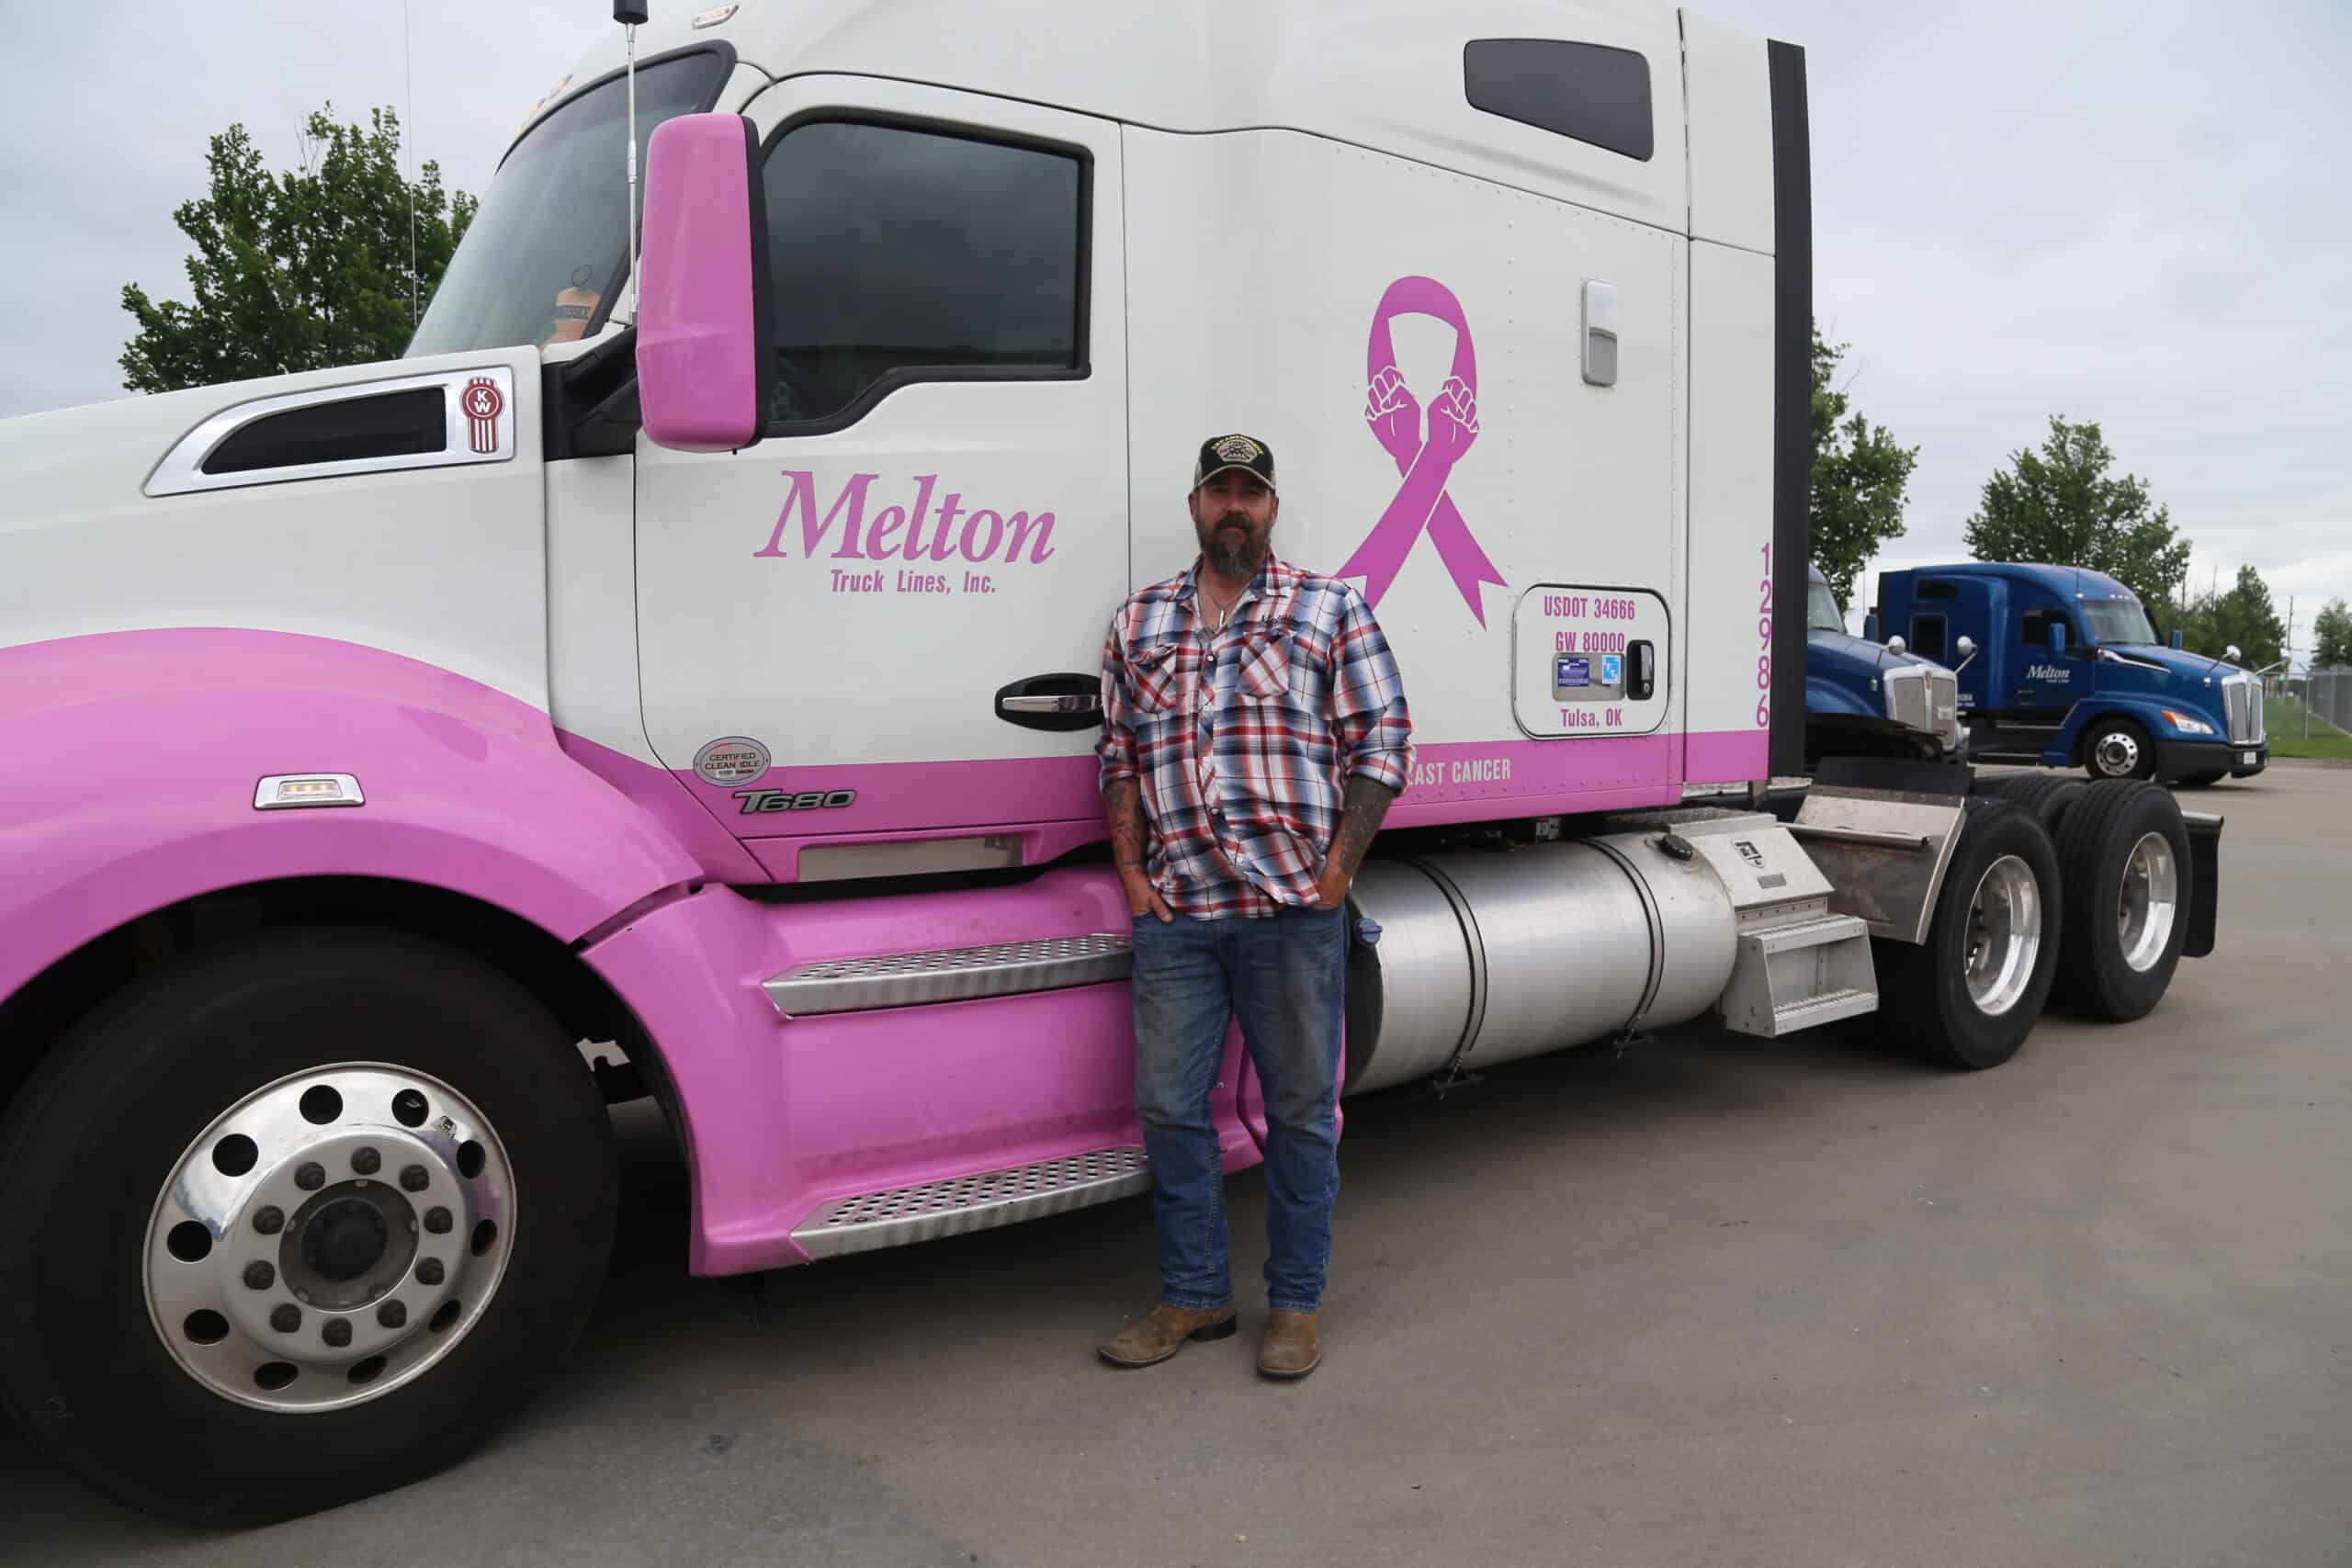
(631,15)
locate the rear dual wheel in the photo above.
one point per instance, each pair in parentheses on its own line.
(1970,994)
(2123,857)
(298,1220)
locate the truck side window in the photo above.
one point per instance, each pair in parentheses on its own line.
(1927,637)
(2034,628)
(905,254)
(1588,92)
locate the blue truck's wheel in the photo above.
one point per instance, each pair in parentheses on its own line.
(298,1219)
(2119,749)
(2123,861)
(1970,994)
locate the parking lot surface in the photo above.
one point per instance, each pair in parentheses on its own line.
(1713,1301)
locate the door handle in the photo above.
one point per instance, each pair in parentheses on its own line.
(1061,701)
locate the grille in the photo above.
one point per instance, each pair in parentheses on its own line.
(1943,704)
(2242,695)
(1907,698)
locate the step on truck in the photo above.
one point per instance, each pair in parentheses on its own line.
(2062,669)
(693,655)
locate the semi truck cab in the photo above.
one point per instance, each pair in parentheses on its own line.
(2068,671)
(1862,693)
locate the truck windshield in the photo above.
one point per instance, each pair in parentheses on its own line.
(2117,620)
(543,258)
(1821,612)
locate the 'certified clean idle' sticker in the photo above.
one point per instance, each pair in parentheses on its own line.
(736,760)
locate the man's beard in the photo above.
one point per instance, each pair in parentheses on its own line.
(1232,552)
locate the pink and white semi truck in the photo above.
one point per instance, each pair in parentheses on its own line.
(709,671)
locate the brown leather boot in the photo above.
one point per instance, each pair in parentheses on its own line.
(1292,1347)
(1149,1340)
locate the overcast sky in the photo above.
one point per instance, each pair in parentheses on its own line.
(2136,211)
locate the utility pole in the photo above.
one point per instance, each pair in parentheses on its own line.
(2286,652)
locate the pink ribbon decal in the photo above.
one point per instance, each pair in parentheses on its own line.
(1426,462)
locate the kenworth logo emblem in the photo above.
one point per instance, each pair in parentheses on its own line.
(2057,673)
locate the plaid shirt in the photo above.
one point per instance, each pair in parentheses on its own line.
(1244,739)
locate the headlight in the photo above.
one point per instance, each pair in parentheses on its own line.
(2186,725)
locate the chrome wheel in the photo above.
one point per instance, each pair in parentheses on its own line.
(2004,935)
(329,1237)
(2117,754)
(2150,894)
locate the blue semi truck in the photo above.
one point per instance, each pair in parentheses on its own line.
(2058,667)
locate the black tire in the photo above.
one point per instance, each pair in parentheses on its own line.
(110,1115)
(2118,749)
(2095,850)
(1925,988)
(2048,795)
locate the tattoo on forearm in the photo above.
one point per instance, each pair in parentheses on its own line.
(1367,802)
(1130,835)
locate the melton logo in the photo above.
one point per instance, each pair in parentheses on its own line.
(906,533)
(2058,672)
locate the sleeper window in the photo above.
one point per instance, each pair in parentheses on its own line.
(2034,628)
(900,254)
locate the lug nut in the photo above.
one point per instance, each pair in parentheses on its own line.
(392,1314)
(286,1319)
(337,1333)
(268,1220)
(437,1220)
(366,1162)
(310,1176)
(430,1272)
(413,1178)
(260,1276)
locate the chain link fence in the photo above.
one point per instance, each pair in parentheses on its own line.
(2328,693)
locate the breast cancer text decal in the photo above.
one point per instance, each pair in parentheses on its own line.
(1425,459)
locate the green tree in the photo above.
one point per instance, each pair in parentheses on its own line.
(1858,477)
(2331,637)
(299,270)
(2060,506)
(2245,616)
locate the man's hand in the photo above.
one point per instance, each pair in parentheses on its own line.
(1331,888)
(1142,897)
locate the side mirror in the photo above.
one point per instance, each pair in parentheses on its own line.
(704,372)
(1895,644)
(2178,638)
(1966,645)
(2232,653)
(1869,626)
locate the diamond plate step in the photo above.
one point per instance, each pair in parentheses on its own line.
(1828,1007)
(951,974)
(1811,970)
(978,1201)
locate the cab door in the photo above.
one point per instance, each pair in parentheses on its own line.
(869,644)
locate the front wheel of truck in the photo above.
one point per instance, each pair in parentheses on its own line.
(2119,749)
(1970,994)
(296,1220)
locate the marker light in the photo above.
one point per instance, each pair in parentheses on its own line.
(713,16)
(2186,725)
(286,791)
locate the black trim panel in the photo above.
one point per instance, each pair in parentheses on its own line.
(1593,93)
(385,425)
(1792,400)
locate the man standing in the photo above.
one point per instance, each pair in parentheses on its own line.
(1254,733)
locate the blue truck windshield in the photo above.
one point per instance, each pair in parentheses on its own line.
(2117,620)
(543,258)
(1821,612)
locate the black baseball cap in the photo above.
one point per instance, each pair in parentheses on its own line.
(1220,453)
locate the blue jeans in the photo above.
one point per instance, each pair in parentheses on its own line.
(1281,976)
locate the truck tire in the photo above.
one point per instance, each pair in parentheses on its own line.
(2123,861)
(2119,749)
(2047,795)
(296,1220)
(1970,994)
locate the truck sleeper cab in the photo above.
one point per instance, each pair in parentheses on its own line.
(703,665)
(1865,697)
(2071,673)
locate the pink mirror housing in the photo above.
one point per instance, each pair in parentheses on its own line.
(704,370)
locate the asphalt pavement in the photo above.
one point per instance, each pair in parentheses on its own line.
(1713,1300)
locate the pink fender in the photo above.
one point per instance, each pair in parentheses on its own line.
(127,763)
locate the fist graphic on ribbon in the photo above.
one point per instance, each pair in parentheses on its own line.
(1425,452)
